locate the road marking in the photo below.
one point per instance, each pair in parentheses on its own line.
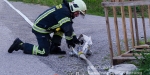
(24,16)
(20,13)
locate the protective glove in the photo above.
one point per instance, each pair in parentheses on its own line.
(76,41)
(70,43)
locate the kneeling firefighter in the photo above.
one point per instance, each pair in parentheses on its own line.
(57,20)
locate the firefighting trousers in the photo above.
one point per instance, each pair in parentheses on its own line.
(44,42)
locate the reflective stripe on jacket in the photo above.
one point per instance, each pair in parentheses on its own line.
(40,30)
(57,18)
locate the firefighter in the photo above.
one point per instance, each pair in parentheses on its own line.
(56,20)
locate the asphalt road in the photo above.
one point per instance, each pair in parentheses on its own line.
(12,25)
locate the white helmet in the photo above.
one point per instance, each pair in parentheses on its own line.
(78,5)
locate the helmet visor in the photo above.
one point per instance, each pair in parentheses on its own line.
(83,13)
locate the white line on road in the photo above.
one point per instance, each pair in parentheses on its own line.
(20,13)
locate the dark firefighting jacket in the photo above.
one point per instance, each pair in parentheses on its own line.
(55,19)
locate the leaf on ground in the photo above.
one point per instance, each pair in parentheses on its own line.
(61,56)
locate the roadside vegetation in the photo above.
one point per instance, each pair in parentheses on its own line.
(143,63)
(94,6)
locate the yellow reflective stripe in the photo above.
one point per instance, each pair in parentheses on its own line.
(59,33)
(59,6)
(58,29)
(20,43)
(73,34)
(44,15)
(64,20)
(36,50)
(69,38)
(38,29)
(55,26)
(41,51)
(80,53)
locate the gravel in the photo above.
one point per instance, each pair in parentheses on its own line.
(94,26)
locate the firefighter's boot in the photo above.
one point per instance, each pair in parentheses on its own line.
(17,45)
(54,49)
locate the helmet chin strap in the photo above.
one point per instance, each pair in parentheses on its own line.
(72,15)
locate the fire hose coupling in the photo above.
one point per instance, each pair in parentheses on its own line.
(79,53)
(82,50)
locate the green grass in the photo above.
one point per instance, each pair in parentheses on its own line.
(94,6)
(42,2)
(143,63)
(141,42)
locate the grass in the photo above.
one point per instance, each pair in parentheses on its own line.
(94,6)
(42,2)
(143,63)
(142,42)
